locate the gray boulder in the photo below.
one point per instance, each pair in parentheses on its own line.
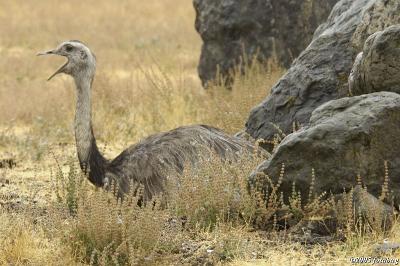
(377,68)
(320,73)
(345,137)
(373,211)
(231,29)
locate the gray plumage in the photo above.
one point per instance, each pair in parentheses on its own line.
(148,161)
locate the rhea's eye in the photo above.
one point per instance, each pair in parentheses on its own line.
(69,48)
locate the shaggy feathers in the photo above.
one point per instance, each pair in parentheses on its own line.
(152,159)
(147,161)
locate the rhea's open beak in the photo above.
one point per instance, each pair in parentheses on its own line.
(60,69)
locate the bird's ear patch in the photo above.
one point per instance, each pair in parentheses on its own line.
(83,55)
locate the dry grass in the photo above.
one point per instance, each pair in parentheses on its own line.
(146,82)
(23,242)
(214,192)
(216,227)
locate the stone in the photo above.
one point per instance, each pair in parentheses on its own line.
(321,72)
(387,247)
(377,68)
(379,215)
(261,29)
(345,138)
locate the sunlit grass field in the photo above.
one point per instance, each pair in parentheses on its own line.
(147,54)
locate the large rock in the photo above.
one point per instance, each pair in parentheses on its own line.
(377,68)
(321,72)
(262,28)
(373,211)
(345,137)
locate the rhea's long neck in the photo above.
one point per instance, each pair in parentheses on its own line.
(90,159)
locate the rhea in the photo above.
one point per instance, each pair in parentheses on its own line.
(148,161)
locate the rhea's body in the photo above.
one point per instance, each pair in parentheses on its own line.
(148,161)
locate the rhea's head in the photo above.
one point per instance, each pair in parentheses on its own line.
(81,62)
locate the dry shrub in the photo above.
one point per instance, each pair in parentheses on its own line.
(212,198)
(214,190)
(280,210)
(24,243)
(105,229)
(67,186)
(226,242)
(108,230)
